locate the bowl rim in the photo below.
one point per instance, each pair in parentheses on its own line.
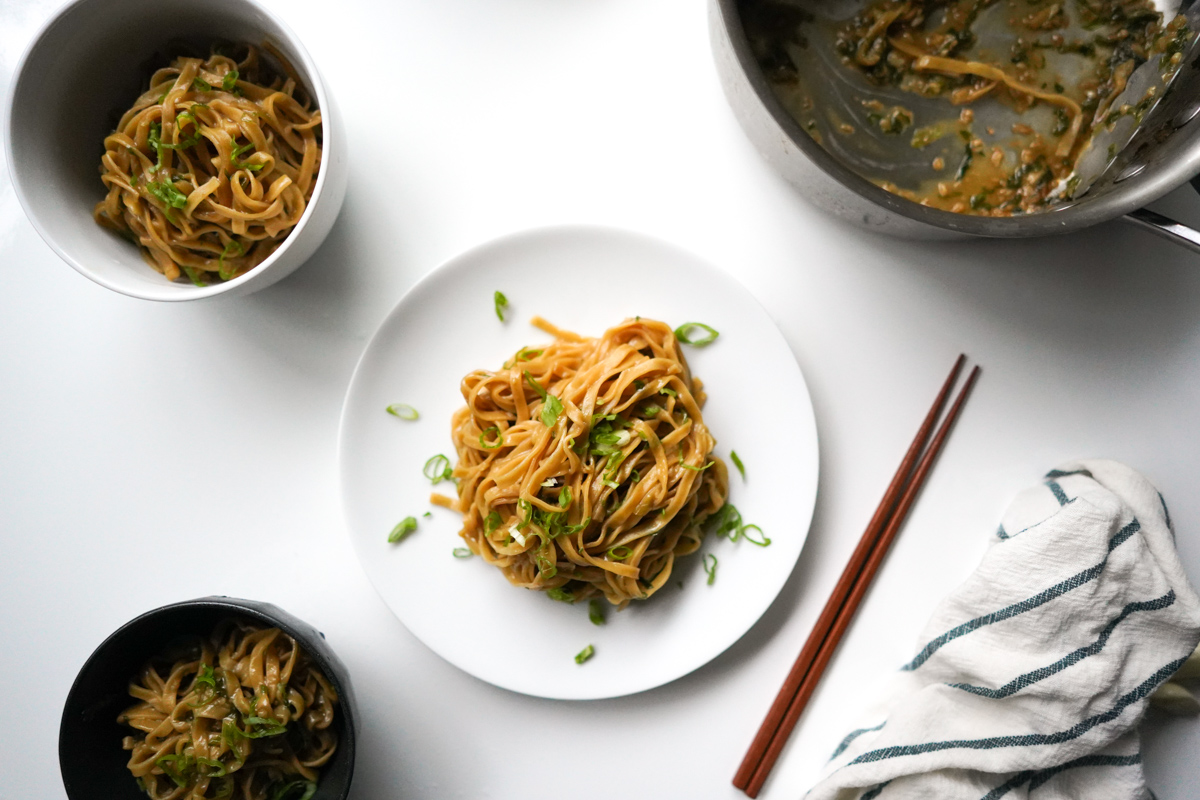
(169,291)
(1137,192)
(262,611)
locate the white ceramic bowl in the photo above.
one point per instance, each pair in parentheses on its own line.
(84,66)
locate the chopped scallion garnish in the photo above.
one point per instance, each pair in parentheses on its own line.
(233,247)
(668,391)
(402,529)
(298,789)
(584,654)
(763,542)
(229,82)
(201,84)
(710,567)
(685,465)
(206,677)
(526,508)
(546,566)
(437,469)
(619,553)
(684,334)
(403,411)
(166,193)
(491,522)
(501,303)
(596,612)
(551,405)
(462,552)
(737,462)
(561,595)
(497,442)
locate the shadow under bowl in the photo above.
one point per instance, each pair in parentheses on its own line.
(90,756)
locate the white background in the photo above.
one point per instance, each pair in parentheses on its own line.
(152,453)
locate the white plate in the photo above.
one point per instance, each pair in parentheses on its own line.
(584,279)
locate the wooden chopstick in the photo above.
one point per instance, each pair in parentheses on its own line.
(848,593)
(845,583)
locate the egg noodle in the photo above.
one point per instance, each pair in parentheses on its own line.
(584,466)
(212,167)
(243,714)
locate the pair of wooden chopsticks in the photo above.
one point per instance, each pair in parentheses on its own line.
(850,588)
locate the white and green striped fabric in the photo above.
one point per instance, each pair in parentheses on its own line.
(1030,679)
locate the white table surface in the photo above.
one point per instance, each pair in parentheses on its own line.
(151,452)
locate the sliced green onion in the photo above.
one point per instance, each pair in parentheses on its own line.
(402,529)
(584,654)
(166,193)
(403,411)
(233,247)
(561,595)
(619,553)
(760,542)
(266,727)
(727,522)
(499,440)
(492,522)
(427,514)
(526,355)
(501,303)
(596,612)
(737,462)
(463,552)
(525,507)
(229,82)
(176,767)
(710,567)
(685,331)
(571,530)
(546,567)
(639,385)
(299,789)
(437,469)
(214,764)
(668,391)
(236,163)
(551,405)
(194,275)
(694,469)
(564,497)
(201,84)
(205,677)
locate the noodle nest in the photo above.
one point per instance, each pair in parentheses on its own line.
(242,713)
(213,165)
(584,467)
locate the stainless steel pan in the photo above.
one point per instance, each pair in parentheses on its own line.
(1164,154)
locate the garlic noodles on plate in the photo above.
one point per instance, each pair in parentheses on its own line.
(584,465)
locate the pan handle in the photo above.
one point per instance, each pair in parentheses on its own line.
(1166,227)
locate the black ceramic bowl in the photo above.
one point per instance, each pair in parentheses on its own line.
(89,738)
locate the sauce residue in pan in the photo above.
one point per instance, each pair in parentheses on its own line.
(973,106)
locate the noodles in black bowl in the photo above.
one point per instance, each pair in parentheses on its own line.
(274,710)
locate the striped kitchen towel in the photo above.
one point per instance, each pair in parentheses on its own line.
(1031,677)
